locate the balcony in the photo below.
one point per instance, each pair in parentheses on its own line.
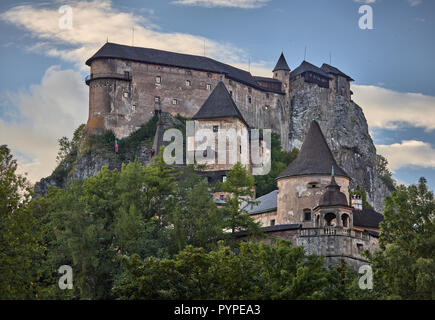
(117,76)
(333,231)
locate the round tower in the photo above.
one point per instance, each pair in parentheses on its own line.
(303,183)
(281,72)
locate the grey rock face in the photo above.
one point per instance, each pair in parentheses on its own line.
(345,128)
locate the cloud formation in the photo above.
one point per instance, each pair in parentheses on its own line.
(414,3)
(96,21)
(243,4)
(390,109)
(408,153)
(46,112)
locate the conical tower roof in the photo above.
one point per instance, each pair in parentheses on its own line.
(314,158)
(219,104)
(281,64)
(333,196)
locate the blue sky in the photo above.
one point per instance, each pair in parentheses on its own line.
(43,96)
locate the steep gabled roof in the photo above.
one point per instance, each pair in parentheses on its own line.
(168,58)
(315,157)
(281,64)
(333,70)
(308,67)
(219,104)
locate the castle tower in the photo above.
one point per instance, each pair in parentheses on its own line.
(281,72)
(221,123)
(303,183)
(333,209)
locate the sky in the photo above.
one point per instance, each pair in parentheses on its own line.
(43,95)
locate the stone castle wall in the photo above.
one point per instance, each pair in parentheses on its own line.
(124,94)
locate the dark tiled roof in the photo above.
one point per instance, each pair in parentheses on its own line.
(308,67)
(275,228)
(219,104)
(167,58)
(315,157)
(367,218)
(333,70)
(265,79)
(266,203)
(333,196)
(281,64)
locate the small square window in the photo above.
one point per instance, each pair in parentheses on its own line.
(174,101)
(158,79)
(249,99)
(360,247)
(209,75)
(133,107)
(224,178)
(272,222)
(125,94)
(188,83)
(222,197)
(157,99)
(215,128)
(208,86)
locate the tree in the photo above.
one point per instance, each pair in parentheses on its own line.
(19,234)
(280,160)
(404,267)
(239,186)
(384,173)
(253,270)
(196,220)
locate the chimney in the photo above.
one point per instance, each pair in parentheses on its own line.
(357,202)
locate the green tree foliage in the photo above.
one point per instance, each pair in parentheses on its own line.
(404,268)
(384,173)
(280,160)
(254,270)
(239,186)
(196,219)
(19,234)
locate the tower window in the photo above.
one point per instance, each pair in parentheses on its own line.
(208,86)
(224,178)
(174,101)
(249,99)
(267,96)
(209,75)
(126,94)
(188,72)
(231,93)
(133,107)
(215,128)
(157,99)
(222,197)
(307,215)
(158,79)
(359,247)
(272,222)
(230,82)
(250,90)
(188,83)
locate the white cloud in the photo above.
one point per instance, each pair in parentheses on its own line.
(95,21)
(408,152)
(414,3)
(243,4)
(389,109)
(46,112)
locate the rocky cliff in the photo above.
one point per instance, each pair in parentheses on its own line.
(345,128)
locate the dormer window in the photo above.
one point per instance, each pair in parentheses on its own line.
(313,185)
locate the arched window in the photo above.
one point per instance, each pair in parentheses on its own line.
(345,220)
(330,219)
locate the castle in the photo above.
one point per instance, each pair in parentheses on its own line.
(311,207)
(127,84)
